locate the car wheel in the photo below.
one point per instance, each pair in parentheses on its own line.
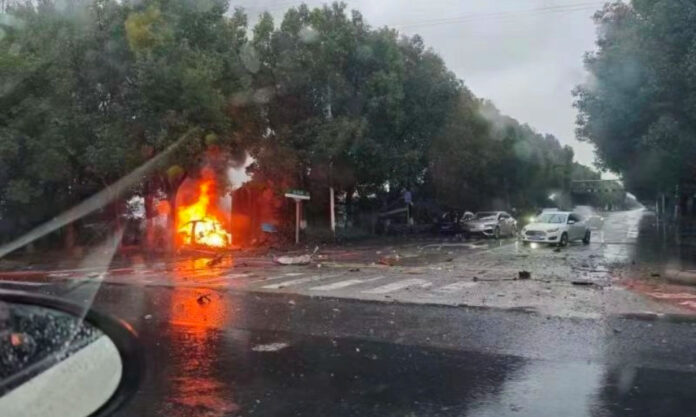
(496,233)
(586,239)
(564,240)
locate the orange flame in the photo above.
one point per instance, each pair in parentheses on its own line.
(198,224)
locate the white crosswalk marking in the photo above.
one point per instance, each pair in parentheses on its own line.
(455,286)
(399,285)
(290,274)
(297,281)
(343,284)
(632,232)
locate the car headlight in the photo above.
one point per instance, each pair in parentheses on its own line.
(552,230)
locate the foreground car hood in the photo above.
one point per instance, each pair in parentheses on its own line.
(544,227)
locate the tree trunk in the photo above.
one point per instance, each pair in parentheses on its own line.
(149,217)
(69,236)
(170,244)
(349,206)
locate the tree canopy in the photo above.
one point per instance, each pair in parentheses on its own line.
(638,106)
(92,89)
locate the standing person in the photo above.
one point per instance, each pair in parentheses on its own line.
(408,199)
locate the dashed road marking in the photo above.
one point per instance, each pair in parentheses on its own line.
(343,284)
(297,281)
(456,286)
(399,285)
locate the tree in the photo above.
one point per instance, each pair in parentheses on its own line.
(639,107)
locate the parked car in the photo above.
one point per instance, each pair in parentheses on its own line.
(557,228)
(452,222)
(491,224)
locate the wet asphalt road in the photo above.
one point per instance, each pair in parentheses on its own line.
(285,355)
(215,348)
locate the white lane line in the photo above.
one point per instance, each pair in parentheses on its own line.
(289,274)
(456,286)
(343,284)
(297,281)
(399,285)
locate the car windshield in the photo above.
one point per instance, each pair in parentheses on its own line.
(277,197)
(556,218)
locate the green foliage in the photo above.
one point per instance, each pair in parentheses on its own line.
(96,88)
(638,108)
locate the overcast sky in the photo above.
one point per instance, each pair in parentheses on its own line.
(524,55)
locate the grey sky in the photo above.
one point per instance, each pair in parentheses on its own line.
(524,55)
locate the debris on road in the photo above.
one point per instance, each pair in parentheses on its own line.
(216,260)
(524,275)
(204,299)
(270,347)
(148,316)
(583,283)
(293,260)
(388,260)
(354,270)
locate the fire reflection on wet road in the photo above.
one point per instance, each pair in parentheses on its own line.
(192,365)
(285,356)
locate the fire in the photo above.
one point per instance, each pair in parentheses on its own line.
(200,223)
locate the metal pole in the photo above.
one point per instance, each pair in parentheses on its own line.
(297,221)
(333,210)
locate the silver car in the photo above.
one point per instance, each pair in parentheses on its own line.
(491,224)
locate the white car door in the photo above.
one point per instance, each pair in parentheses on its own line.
(576,229)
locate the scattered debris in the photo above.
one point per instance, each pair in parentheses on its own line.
(293,260)
(216,260)
(474,279)
(583,283)
(354,270)
(449,259)
(388,260)
(270,347)
(148,316)
(204,299)
(16,339)
(557,249)
(617,330)
(292,302)
(524,275)
(655,274)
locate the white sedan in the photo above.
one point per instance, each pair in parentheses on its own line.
(558,228)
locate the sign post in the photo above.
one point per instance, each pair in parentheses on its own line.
(297,196)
